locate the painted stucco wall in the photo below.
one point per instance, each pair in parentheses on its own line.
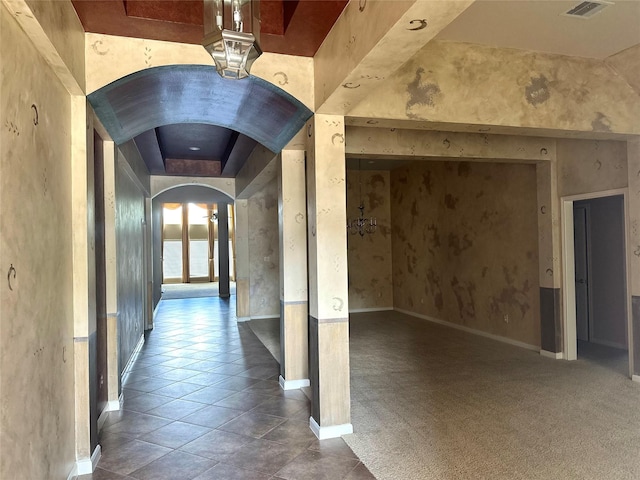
(587,166)
(465,246)
(467,84)
(370,282)
(130,214)
(263,252)
(36,325)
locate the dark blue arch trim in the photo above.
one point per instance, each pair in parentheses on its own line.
(197,94)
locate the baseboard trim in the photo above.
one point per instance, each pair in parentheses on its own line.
(115,405)
(243,319)
(103,417)
(553,355)
(293,384)
(366,310)
(480,333)
(132,359)
(635,378)
(334,431)
(264,317)
(86,466)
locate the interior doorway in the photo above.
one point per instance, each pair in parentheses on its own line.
(191,242)
(596,303)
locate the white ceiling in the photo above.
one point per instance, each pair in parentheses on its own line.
(540,26)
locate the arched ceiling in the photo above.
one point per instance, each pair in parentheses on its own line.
(187,120)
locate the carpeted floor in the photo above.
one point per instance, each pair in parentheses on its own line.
(173,291)
(434,403)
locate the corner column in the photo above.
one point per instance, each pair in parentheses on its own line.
(633,254)
(223,251)
(294,305)
(243,312)
(328,291)
(549,260)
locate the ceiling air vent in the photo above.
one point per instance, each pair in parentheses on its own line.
(587,9)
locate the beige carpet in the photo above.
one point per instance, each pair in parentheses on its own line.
(430,402)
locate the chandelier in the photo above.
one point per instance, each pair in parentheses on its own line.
(233,50)
(361,225)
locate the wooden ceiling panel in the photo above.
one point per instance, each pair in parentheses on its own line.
(291,27)
(178,11)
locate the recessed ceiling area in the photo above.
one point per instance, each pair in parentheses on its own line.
(291,27)
(540,26)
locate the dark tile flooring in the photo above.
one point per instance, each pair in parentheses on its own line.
(202,402)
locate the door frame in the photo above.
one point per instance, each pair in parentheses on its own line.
(568,264)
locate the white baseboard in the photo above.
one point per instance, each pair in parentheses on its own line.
(293,384)
(555,356)
(635,378)
(333,431)
(471,330)
(103,417)
(86,466)
(366,310)
(243,319)
(133,356)
(264,317)
(115,405)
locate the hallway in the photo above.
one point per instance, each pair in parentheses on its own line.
(202,402)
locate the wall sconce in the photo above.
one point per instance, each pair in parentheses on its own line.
(232,49)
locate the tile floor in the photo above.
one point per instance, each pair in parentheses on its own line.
(202,402)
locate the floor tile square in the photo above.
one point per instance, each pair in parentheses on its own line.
(264,456)
(216,445)
(178,389)
(312,465)
(136,424)
(229,472)
(143,403)
(131,456)
(176,409)
(252,424)
(173,466)
(175,434)
(209,395)
(212,416)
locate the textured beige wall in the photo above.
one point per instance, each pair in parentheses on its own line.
(36,327)
(465,245)
(111,57)
(263,252)
(370,283)
(587,166)
(627,64)
(468,84)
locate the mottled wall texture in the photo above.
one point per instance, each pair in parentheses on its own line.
(264,267)
(587,166)
(36,324)
(130,214)
(370,283)
(465,246)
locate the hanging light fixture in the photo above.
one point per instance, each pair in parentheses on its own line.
(361,225)
(233,50)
